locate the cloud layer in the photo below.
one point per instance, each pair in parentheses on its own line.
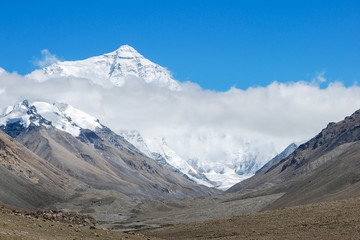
(196,121)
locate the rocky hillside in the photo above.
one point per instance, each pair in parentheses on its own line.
(61,154)
(27,180)
(324,168)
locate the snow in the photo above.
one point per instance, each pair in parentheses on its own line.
(58,119)
(226,179)
(62,116)
(15,113)
(233,165)
(111,69)
(80,118)
(160,146)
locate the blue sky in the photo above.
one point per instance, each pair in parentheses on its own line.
(217,44)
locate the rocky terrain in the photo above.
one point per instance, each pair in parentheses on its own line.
(17,224)
(324,168)
(150,214)
(326,220)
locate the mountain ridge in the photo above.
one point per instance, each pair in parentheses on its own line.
(323,169)
(95,156)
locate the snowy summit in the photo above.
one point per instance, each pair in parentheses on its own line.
(111,69)
(59,115)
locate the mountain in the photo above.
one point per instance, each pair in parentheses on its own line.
(287,151)
(158,150)
(115,68)
(322,169)
(82,148)
(234,166)
(28,181)
(213,159)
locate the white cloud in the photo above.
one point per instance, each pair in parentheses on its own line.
(196,122)
(320,77)
(46,60)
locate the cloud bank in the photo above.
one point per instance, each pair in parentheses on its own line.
(198,122)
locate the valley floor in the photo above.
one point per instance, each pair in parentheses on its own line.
(331,220)
(19,226)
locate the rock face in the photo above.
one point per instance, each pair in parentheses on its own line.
(90,155)
(324,168)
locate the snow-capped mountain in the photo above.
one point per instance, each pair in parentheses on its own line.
(60,115)
(234,166)
(159,150)
(81,148)
(209,157)
(115,68)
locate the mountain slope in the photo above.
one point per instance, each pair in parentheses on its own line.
(95,156)
(287,151)
(324,168)
(335,180)
(27,181)
(115,68)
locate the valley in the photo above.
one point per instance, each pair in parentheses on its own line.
(59,163)
(326,220)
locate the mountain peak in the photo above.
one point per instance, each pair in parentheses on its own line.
(115,68)
(59,115)
(127,48)
(125,52)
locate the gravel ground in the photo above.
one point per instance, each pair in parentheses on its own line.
(19,226)
(331,220)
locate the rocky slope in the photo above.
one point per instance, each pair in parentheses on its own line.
(27,180)
(324,168)
(83,149)
(287,151)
